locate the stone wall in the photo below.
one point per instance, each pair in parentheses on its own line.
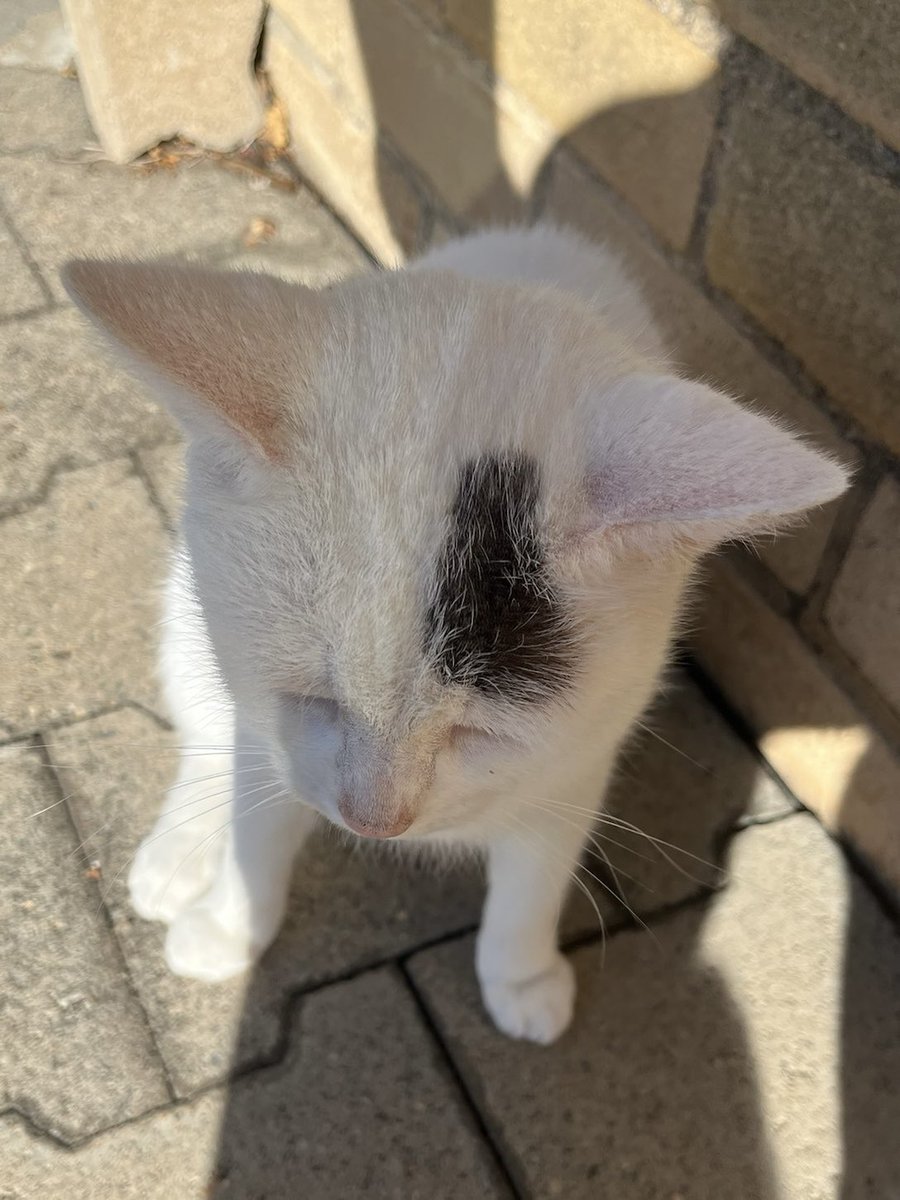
(744,154)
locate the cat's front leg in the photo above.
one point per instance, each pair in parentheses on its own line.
(527,985)
(227,929)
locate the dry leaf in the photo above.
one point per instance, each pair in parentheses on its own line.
(276,133)
(94,871)
(260,229)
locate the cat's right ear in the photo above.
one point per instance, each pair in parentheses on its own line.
(224,349)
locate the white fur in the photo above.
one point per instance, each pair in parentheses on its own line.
(307,543)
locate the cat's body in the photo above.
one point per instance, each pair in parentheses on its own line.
(439,526)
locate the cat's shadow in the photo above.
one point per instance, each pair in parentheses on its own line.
(272,1152)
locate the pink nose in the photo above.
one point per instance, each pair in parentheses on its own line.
(388,826)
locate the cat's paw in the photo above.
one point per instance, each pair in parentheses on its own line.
(169,872)
(537,1009)
(211,943)
(200,946)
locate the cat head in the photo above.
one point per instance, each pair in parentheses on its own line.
(435,525)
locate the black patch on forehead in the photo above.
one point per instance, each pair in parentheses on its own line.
(496,623)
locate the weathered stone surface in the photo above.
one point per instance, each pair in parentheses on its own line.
(67,404)
(706,345)
(152,71)
(42,112)
(315,257)
(685,783)
(79,596)
(65,210)
(715,1058)
(699,22)
(20,291)
(327,33)
(807,728)
(33,34)
(847,51)
(351,906)
(164,468)
(75,1052)
(864,606)
(352,1111)
(807,238)
(478,150)
(627,89)
(339,153)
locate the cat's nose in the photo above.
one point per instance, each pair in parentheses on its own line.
(370,824)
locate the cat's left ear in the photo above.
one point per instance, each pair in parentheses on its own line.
(673,456)
(223,348)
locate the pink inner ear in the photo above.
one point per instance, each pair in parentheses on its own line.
(673,452)
(231,340)
(659,498)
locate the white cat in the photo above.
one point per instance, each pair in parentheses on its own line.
(438,529)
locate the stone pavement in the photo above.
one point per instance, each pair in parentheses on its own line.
(735,1037)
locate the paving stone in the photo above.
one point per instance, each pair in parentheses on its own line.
(634,96)
(33,34)
(44,112)
(478,148)
(98,209)
(79,594)
(67,404)
(151,71)
(699,22)
(351,905)
(13,17)
(707,346)
(807,238)
(685,781)
(316,252)
(21,291)
(846,51)
(807,729)
(164,466)
(339,152)
(864,606)
(711,1059)
(352,1111)
(75,1052)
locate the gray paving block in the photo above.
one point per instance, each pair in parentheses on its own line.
(863,609)
(200,209)
(359,1107)
(20,291)
(79,596)
(684,782)
(749,1048)
(805,236)
(43,112)
(66,404)
(846,51)
(164,469)
(76,1054)
(15,17)
(351,905)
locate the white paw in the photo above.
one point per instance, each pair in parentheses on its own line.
(537,1009)
(170,871)
(200,946)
